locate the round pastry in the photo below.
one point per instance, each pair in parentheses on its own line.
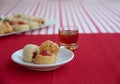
(7,27)
(9,18)
(24,16)
(21,27)
(29,52)
(50,46)
(17,15)
(41,21)
(45,57)
(33,24)
(1,28)
(17,19)
(28,18)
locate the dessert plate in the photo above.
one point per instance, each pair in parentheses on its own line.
(48,23)
(64,56)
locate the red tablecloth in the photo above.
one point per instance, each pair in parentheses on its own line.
(97,61)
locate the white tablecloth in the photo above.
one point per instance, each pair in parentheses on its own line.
(97,16)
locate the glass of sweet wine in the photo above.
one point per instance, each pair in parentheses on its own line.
(68,37)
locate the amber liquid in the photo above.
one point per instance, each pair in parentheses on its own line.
(68,38)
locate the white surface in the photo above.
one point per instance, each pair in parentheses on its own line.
(91,16)
(64,56)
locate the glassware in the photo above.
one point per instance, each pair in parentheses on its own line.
(68,37)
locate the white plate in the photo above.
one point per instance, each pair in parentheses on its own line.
(48,23)
(64,56)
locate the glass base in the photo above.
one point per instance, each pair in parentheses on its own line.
(70,47)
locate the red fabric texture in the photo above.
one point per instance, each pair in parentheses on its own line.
(96,61)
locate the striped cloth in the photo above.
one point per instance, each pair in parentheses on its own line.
(90,16)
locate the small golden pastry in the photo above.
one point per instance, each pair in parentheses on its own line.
(50,46)
(45,57)
(29,52)
(28,18)
(8,18)
(1,28)
(41,21)
(0,23)
(21,26)
(17,15)
(19,20)
(33,24)
(7,26)
(44,54)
